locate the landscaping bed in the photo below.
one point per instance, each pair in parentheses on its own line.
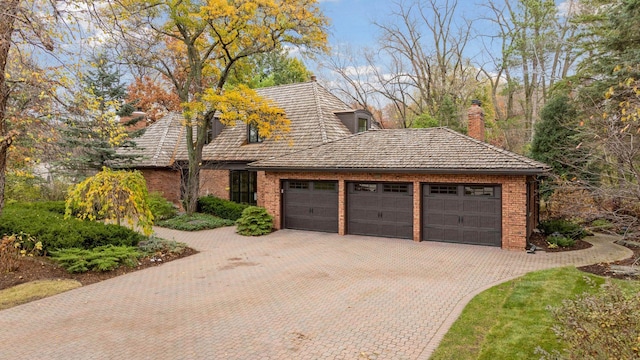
(540,241)
(43,268)
(605,269)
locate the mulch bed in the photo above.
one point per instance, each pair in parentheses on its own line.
(604,269)
(43,268)
(541,244)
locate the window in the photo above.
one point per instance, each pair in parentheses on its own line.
(365,187)
(252,134)
(443,189)
(362,125)
(323,185)
(243,186)
(395,188)
(479,191)
(299,185)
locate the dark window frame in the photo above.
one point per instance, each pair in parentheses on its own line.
(253,136)
(362,127)
(243,186)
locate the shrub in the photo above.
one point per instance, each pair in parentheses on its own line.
(564,227)
(557,239)
(158,246)
(255,221)
(102,258)
(601,325)
(160,207)
(8,255)
(195,222)
(56,232)
(601,224)
(221,208)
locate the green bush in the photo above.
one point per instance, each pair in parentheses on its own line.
(221,208)
(160,207)
(561,241)
(194,222)
(155,245)
(255,221)
(564,227)
(601,325)
(601,224)
(102,258)
(56,232)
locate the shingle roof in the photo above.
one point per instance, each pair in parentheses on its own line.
(309,107)
(157,145)
(406,150)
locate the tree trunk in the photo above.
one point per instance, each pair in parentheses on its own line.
(8,13)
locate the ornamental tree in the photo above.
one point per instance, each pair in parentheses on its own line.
(112,196)
(195,46)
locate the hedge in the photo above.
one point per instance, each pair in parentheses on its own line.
(55,232)
(221,208)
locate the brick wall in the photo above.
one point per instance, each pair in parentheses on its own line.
(514,197)
(165,181)
(475,125)
(214,182)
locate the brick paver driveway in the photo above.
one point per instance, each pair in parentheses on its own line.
(289,295)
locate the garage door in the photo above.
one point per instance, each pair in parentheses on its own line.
(310,205)
(469,214)
(380,209)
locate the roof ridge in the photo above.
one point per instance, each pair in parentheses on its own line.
(495,148)
(162,139)
(323,128)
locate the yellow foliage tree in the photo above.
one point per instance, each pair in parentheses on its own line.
(113,196)
(195,46)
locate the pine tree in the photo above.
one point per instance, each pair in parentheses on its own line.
(92,132)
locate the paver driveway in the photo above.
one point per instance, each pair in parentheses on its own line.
(289,295)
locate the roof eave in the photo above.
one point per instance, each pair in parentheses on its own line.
(533,171)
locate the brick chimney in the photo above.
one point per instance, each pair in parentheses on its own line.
(475,125)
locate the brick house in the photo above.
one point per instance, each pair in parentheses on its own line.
(337,171)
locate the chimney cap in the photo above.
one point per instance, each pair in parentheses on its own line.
(314,78)
(476,102)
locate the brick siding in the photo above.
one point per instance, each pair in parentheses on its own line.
(164,181)
(214,182)
(514,197)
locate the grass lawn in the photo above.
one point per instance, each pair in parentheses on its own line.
(195,222)
(34,290)
(510,320)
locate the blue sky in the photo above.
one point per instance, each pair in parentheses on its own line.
(351,20)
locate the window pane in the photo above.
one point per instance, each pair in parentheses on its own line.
(362,125)
(478,191)
(298,184)
(365,187)
(330,186)
(397,188)
(443,189)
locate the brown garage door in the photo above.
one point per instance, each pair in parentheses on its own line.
(380,209)
(469,214)
(310,205)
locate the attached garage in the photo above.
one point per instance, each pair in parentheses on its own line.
(469,214)
(310,205)
(380,209)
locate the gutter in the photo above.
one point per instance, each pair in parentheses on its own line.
(405,170)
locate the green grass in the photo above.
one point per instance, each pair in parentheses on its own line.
(510,320)
(195,222)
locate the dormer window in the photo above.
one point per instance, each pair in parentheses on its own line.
(253,136)
(363,125)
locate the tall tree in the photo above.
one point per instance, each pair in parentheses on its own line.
(197,44)
(93,130)
(28,30)
(270,69)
